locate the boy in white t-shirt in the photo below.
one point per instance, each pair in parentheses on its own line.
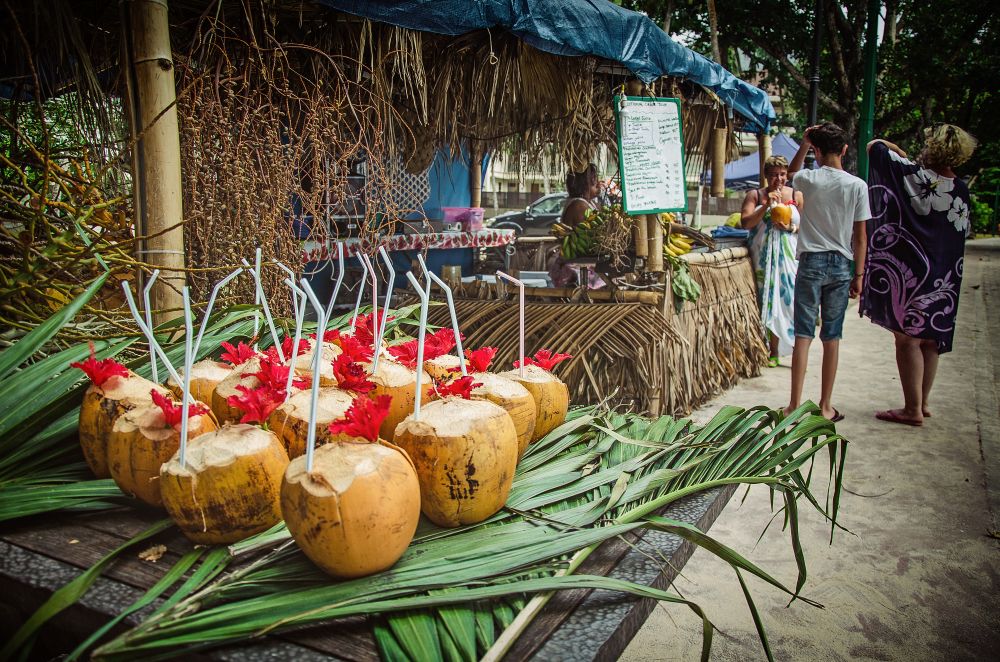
(831,235)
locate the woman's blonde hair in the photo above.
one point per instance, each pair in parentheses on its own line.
(776,161)
(947,145)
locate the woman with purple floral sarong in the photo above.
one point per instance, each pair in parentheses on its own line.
(916,244)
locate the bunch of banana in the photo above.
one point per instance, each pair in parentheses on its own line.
(582,239)
(676,244)
(560,230)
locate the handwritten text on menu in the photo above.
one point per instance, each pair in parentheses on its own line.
(651,155)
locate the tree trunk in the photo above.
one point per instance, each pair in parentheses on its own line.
(713,24)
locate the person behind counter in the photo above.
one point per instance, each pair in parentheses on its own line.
(582,188)
(914,270)
(772,253)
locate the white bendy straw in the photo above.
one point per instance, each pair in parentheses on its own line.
(361,290)
(322,315)
(148,332)
(149,322)
(321,331)
(211,303)
(451,308)
(421,334)
(188,361)
(256,295)
(520,286)
(261,298)
(385,308)
(300,313)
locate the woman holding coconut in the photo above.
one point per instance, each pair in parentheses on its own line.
(772,216)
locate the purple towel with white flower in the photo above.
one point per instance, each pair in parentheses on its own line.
(916,244)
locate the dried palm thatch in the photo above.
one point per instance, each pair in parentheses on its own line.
(652,356)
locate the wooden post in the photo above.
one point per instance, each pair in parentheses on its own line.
(476,176)
(159,204)
(764,151)
(719,137)
(654,261)
(633,88)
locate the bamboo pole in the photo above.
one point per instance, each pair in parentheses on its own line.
(476,176)
(654,231)
(619,296)
(633,88)
(764,152)
(159,148)
(719,136)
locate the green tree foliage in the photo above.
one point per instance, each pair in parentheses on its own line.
(938,61)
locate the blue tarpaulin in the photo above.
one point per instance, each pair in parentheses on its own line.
(575,27)
(744,174)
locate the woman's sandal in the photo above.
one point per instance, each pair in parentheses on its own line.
(773,362)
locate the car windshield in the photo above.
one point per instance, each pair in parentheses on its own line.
(548,205)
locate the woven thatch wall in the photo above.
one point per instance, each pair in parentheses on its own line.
(650,356)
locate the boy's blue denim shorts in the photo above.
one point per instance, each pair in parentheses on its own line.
(822,288)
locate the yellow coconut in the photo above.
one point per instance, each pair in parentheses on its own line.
(356,512)
(101,406)
(303,364)
(514,398)
(400,383)
(224,412)
(290,421)
(229,486)
(440,368)
(140,443)
(205,376)
(551,397)
(465,453)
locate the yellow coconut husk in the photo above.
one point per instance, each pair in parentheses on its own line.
(399,383)
(205,376)
(465,453)
(140,443)
(514,398)
(356,512)
(303,364)
(101,406)
(290,421)
(225,413)
(551,397)
(229,486)
(440,368)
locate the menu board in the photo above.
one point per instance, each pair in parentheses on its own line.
(650,154)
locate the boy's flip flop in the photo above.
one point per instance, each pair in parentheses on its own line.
(891,416)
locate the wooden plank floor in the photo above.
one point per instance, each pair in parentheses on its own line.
(40,555)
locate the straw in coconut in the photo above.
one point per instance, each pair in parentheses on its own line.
(361,289)
(385,308)
(520,313)
(154,346)
(451,308)
(149,323)
(188,361)
(261,299)
(421,334)
(208,309)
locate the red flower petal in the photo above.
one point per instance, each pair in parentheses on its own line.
(100,371)
(357,350)
(480,359)
(350,375)
(405,353)
(461,386)
(363,418)
(235,356)
(256,404)
(289,343)
(172,411)
(544,359)
(366,328)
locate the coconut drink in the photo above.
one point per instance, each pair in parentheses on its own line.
(550,393)
(145,437)
(245,361)
(516,400)
(114,390)
(354,511)
(397,378)
(464,451)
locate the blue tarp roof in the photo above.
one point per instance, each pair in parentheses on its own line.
(744,174)
(575,27)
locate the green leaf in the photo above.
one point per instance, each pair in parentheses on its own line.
(23,349)
(73,591)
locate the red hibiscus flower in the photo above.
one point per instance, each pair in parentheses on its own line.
(460,386)
(544,359)
(172,410)
(235,356)
(366,328)
(288,345)
(274,374)
(480,359)
(256,403)
(443,341)
(354,348)
(350,375)
(100,371)
(405,353)
(363,418)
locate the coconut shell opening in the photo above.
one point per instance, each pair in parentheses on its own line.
(399,383)
(441,367)
(551,397)
(516,400)
(328,352)
(227,387)
(205,376)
